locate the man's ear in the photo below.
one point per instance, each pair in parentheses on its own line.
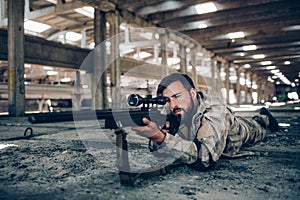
(193,92)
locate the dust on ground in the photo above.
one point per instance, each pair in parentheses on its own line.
(55,163)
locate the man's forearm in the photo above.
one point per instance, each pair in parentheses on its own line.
(175,146)
(158,137)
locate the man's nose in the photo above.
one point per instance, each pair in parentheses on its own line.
(173,103)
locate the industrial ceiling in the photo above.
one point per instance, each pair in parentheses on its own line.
(257,35)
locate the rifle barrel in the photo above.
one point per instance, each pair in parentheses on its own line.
(113,118)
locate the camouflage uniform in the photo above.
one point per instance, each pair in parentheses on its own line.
(215,130)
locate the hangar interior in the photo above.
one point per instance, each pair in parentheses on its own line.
(62,55)
(249,50)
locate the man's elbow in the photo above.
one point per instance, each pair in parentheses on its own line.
(199,166)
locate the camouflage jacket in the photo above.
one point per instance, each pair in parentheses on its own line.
(215,130)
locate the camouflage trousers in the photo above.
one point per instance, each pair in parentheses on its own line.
(244,132)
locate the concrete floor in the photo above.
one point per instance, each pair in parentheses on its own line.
(58,162)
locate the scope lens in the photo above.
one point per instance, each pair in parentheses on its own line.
(133,100)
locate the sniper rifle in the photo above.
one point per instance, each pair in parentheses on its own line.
(147,107)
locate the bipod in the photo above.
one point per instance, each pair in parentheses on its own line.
(127,177)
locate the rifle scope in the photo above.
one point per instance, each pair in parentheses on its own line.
(136,100)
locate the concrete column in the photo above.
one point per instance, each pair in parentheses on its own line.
(241,82)
(116,63)
(213,73)
(259,91)
(246,88)
(254,79)
(238,86)
(251,88)
(77,93)
(272,90)
(227,83)
(250,100)
(99,93)
(156,54)
(218,80)
(263,88)
(27,8)
(194,70)
(64,39)
(164,54)
(16,86)
(41,104)
(266,90)
(127,34)
(182,55)
(83,39)
(2,11)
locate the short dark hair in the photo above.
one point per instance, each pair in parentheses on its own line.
(186,81)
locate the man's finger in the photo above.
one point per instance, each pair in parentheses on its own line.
(146,121)
(167,124)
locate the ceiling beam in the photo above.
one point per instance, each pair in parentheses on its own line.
(131,4)
(60,8)
(236,20)
(48,11)
(224,7)
(251,60)
(262,26)
(105,6)
(262,49)
(269,47)
(165,6)
(131,18)
(41,51)
(273,37)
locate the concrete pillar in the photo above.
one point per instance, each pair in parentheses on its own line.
(41,103)
(115,75)
(164,54)
(272,91)
(218,79)
(238,86)
(182,55)
(213,73)
(28,6)
(64,39)
(246,88)
(266,90)
(99,93)
(2,10)
(254,79)
(16,86)
(194,70)
(83,39)
(259,91)
(127,34)
(250,100)
(227,83)
(77,93)
(251,88)
(156,54)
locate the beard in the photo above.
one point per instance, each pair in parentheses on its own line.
(185,115)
